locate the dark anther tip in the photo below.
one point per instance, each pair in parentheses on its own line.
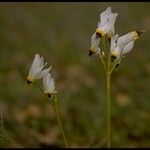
(117,65)
(109,39)
(28,82)
(140,32)
(98,35)
(90,53)
(113,58)
(49,95)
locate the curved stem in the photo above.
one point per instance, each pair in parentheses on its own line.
(55,106)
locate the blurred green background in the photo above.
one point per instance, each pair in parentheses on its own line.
(61,32)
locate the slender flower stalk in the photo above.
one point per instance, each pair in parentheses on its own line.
(55,107)
(49,86)
(108,78)
(111,59)
(108,107)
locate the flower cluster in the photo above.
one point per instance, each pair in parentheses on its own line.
(37,72)
(119,46)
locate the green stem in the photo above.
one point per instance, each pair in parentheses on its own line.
(108,69)
(103,62)
(108,77)
(108,107)
(55,106)
(113,67)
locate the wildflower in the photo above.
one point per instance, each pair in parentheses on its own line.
(36,71)
(94,45)
(49,85)
(124,44)
(106,24)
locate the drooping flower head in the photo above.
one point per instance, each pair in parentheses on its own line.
(106,24)
(49,85)
(94,45)
(124,44)
(36,70)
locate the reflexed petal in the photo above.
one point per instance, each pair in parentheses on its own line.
(41,62)
(113,20)
(114,42)
(46,81)
(94,40)
(34,63)
(104,16)
(37,61)
(128,48)
(110,25)
(95,44)
(42,73)
(49,84)
(125,39)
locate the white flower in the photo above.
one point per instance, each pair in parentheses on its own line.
(94,45)
(124,44)
(36,71)
(49,85)
(106,24)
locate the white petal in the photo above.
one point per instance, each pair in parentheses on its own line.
(110,25)
(128,48)
(36,72)
(37,61)
(114,42)
(34,65)
(116,52)
(125,39)
(95,44)
(41,62)
(46,81)
(42,73)
(49,84)
(113,20)
(94,40)
(104,16)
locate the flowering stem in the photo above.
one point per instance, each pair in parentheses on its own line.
(108,107)
(55,106)
(108,66)
(108,77)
